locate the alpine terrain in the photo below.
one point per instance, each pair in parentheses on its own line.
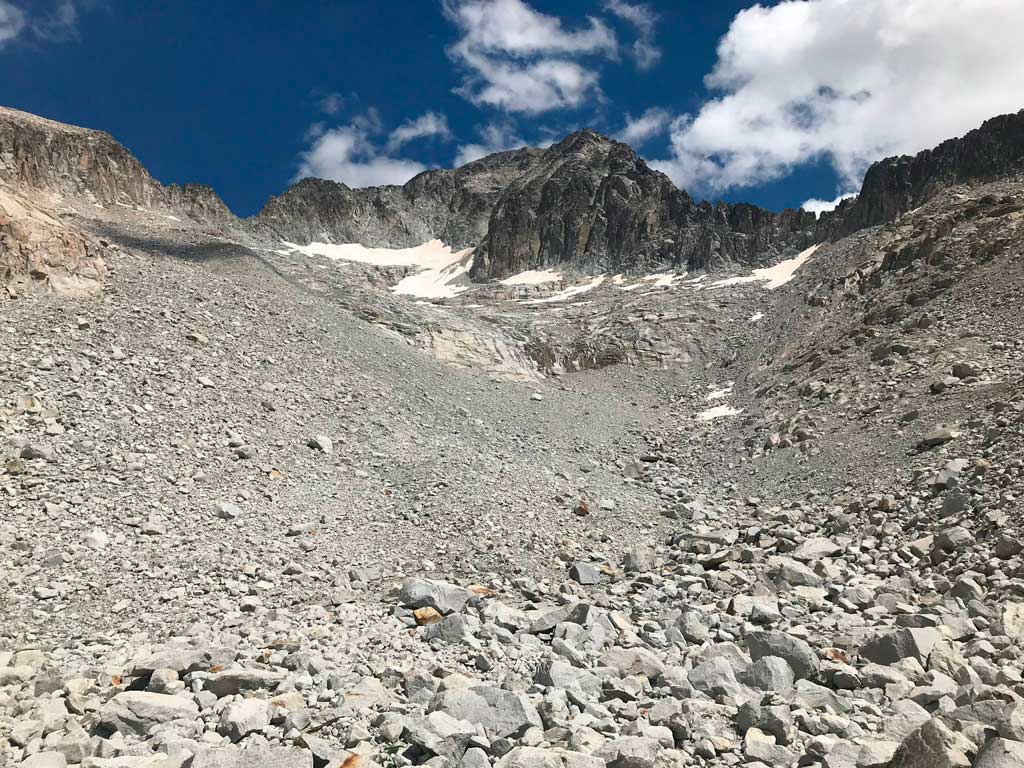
(539,462)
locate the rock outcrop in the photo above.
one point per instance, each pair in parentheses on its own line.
(587,203)
(592,204)
(899,184)
(46,157)
(40,253)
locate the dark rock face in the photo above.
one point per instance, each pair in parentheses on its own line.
(586,203)
(450,205)
(899,184)
(591,203)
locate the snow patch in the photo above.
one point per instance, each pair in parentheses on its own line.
(569,293)
(775,276)
(718,394)
(438,264)
(718,412)
(664,279)
(436,283)
(533,277)
(757,316)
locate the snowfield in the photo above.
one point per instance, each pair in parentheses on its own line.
(773,277)
(533,277)
(439,266)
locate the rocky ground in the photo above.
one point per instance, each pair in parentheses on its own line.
(258,511)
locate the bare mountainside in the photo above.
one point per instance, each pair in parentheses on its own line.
(690,485)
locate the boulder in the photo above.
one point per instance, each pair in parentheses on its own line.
(443,597)
(933,745)
(502,713)
(797,653)
(915,643)
(1000,753)
(135,712)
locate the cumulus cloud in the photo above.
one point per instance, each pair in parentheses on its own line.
(520,60)
(819,207)
(426,125)
(494,137)
(12,22)
(653,122)
(348,154)
(641,16)
(848,82)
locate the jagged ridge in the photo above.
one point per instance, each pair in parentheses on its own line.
(450,205)
(592,203)
(587,203)
(899,184)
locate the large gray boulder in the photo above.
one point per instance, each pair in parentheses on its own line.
(633,661)
(1000,753)
(503,713)
(933,745)
(135,712)
(916,643)
(797,653)
(442,596)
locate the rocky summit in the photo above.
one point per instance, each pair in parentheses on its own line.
(533,463)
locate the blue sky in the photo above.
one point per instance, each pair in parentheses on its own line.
(772,104)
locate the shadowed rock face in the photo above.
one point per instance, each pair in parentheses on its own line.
(899,184)
(591,203)
(585,203)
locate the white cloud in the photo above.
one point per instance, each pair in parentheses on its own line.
(520,60)
(427,124)
(848,82)
(52,22)
(348,155)
(511,27)
(12,22)
(641,16)
(818,207)
(494,137)
(651,123)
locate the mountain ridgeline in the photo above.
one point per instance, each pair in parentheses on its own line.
(585,204)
